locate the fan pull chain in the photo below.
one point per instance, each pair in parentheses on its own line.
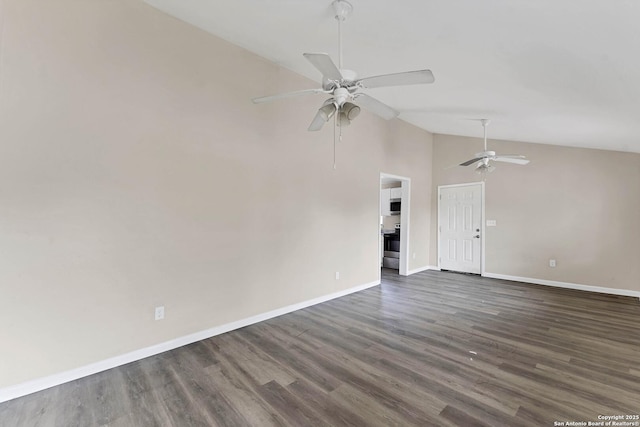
(335,125)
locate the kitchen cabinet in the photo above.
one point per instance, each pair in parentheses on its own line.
(385,206)
(396,193)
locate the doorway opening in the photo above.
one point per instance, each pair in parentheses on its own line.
(461,228)
(395,192)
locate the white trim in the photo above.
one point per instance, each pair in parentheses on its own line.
(418,270)
(392,176)
(23,389)
(483,224)
(421,269)
(577,286)
(404,226)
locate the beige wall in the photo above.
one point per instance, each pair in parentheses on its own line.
(135,172)
(578,206)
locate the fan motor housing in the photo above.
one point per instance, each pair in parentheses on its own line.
(341,95)
(486,154)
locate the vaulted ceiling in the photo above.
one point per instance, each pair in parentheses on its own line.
(546,71)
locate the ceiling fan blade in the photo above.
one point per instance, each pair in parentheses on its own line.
(450,167)
(518,160)
(269,98)
(472,161)
(324,64)
(376,107)
(317,123)
(398,79)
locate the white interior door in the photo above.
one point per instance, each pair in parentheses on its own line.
(460,228)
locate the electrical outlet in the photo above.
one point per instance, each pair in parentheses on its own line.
(337,275)
(159,312)
(552,263)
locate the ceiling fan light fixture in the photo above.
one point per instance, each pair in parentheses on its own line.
(350,110)
(483,168)
(327,111)
(343,120)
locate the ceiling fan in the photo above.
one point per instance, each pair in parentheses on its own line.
(484,157)
(344,85)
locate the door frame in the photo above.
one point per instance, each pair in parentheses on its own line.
(482,220)
(405,203)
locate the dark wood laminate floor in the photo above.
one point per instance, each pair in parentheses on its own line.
(435,348)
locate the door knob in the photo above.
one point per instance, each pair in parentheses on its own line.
(476,237)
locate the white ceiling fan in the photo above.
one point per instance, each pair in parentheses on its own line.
(484,157)
(344,85)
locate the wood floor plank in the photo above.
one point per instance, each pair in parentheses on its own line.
(262,367)
(376,412)
(627,398)
(290,407)
(247,402)
(364,366)
(434,348)
(333,411)
(286,352)
(598,399)
(461,418)
(202,394)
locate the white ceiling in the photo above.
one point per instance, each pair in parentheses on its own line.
(563,72)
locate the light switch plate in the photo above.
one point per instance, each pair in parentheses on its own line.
(491,223)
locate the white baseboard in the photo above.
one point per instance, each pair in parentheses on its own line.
(599,289)
(18,390)
(420,269)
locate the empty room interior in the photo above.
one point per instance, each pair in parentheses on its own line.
(362,213)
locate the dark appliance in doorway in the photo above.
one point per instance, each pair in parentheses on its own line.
(395,207)
(391,258)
